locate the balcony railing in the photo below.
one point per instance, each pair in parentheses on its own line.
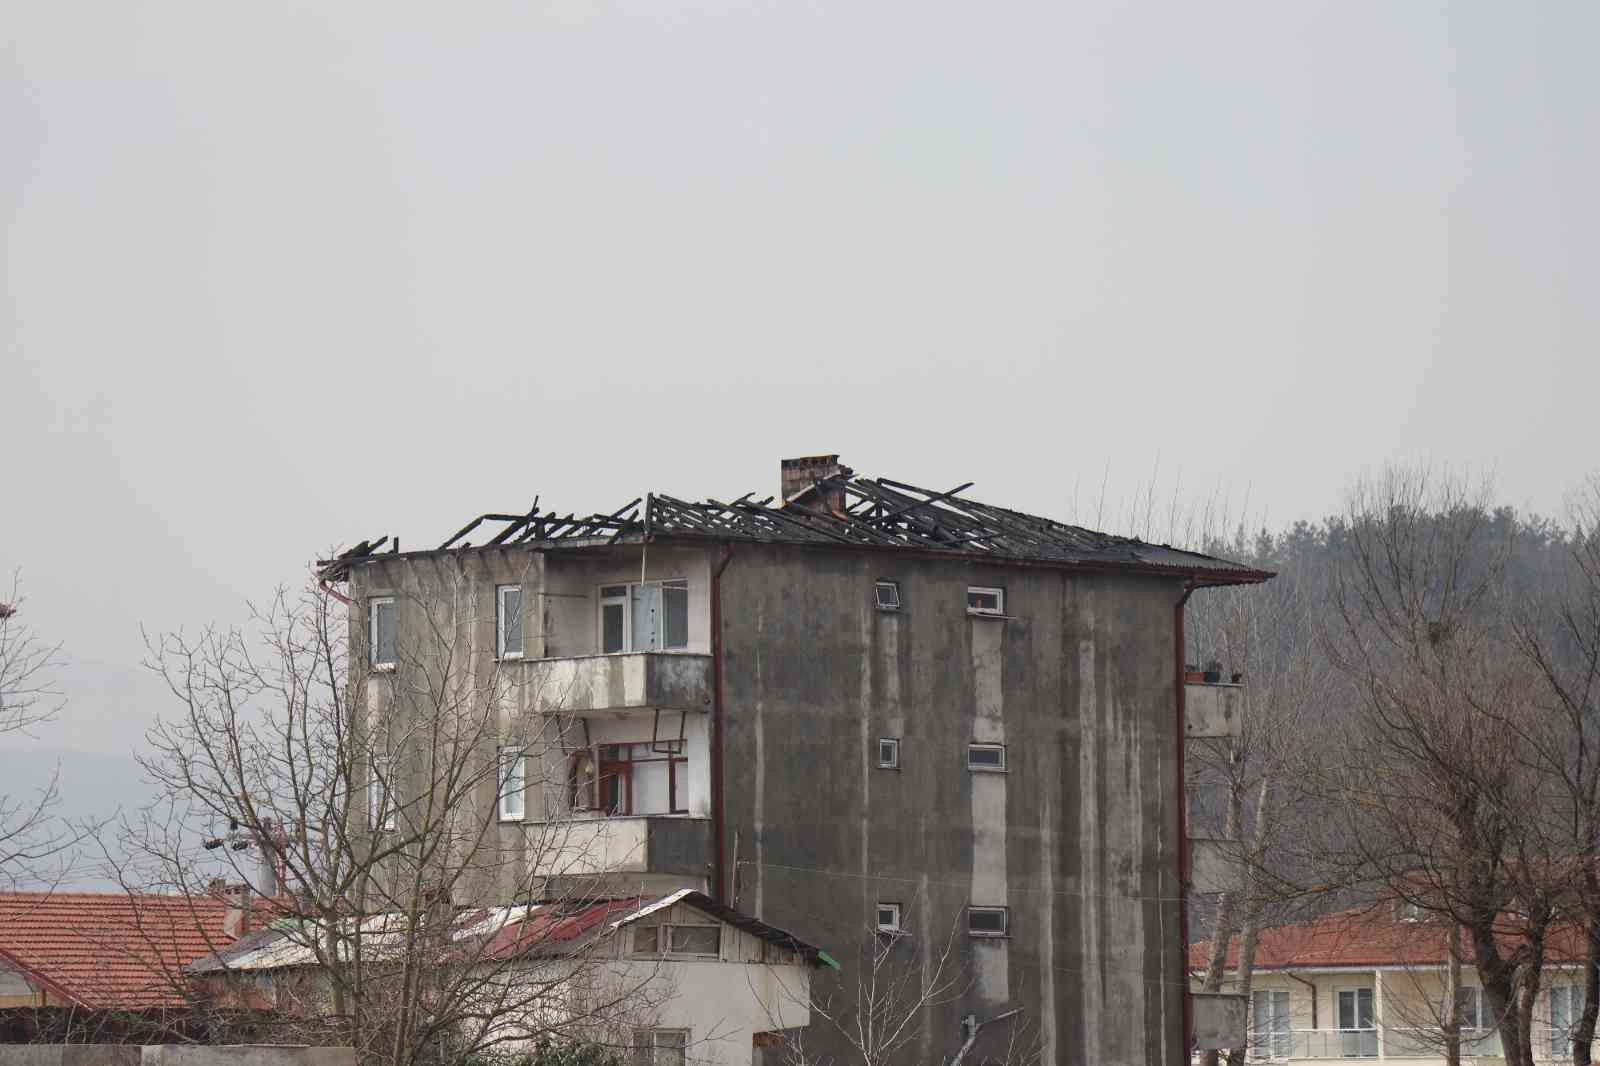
(1428,1043)
(635,680)
(1315,1044)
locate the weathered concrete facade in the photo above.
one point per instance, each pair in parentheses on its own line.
(785,672)
(1078,838)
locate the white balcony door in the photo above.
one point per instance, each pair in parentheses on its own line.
(1358,1038)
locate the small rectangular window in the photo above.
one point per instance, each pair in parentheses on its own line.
(380,792)
(985,600)
(645,940)
(694,939)
(660,1047)
(986,921)
(675,614)
(513,784)
(508,622)
(380,612)
(888,917)
(991,757)
(888,596)
(888,754)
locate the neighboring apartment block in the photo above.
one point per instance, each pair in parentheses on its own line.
(862,710)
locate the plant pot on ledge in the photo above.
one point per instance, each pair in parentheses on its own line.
(1192,674)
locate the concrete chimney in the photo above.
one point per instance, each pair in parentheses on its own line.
(799,476)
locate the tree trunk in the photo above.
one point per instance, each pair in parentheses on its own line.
(1583,1032)
(1452,1008)
(1254,902)
(1496,975)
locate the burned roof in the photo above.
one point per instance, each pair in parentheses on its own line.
(839,511)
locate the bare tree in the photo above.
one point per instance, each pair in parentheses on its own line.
(375,786)
(35,845)
(881,1009)
(1441,804)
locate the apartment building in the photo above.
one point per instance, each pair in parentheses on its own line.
(860,710)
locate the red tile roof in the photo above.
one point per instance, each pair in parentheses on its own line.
(106,950)
(1367,936)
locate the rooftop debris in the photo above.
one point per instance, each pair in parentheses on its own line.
(875,512)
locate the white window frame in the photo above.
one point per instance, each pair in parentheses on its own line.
(1561,1036)
(381,804)
(1005,922)
(984,768)
(1263,1050)
(892,602)
(892,924)
(677,1053)
(1477,1006)
(893,761)
(999,594)
(1356,990)
(512,806)
(373,604)
(626,600)
(502,616)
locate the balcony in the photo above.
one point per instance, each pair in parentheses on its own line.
(596,684)
(1212,710)
(642,844)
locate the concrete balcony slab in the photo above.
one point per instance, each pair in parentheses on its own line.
(597,684)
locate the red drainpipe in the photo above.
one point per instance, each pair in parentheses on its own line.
(1183,829)
(719,887)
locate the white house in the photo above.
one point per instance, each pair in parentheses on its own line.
(691,981)
(1371,984)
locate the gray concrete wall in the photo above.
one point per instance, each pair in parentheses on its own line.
(1077,839)
(174,1055)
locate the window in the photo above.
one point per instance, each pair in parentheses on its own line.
(986,921)
(985,600)
(645,940)
(380,792)
(694,939)
(623,779)
(508,622)
(513,784)
(1409,912)
(1566,1005)
(645,616)
(888,754)
(702,940)
(888,917)
(1269,1025)
(888,596)
(1358,1037)
(987,757)
(1469,1008)
(660,1047)
(380,616)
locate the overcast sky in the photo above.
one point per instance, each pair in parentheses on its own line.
(279,277)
